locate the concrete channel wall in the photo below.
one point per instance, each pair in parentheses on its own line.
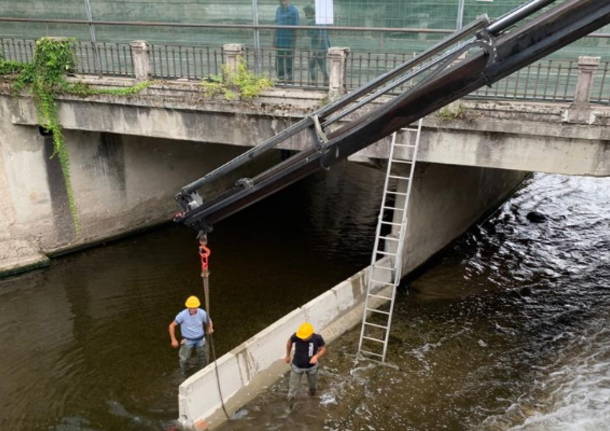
(121,184)
(248,369)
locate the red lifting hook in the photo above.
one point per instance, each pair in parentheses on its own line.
(204,254)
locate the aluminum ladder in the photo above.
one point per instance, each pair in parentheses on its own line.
(386,262)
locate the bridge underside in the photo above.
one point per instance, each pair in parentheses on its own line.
(129,156)
(540,137)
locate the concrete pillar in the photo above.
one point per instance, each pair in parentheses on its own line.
(337,58)
(232,53)
(445,201)
(580,111)
(141,60)
(586,69)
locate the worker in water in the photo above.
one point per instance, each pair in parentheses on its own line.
(309,347)
(194,325)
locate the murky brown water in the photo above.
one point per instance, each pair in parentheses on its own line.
(84,344)
(508,330)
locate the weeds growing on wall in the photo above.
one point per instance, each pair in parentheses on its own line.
(239,84)
(451,112)
(45,77)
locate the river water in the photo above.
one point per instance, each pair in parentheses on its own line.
(508,329)
(84,343)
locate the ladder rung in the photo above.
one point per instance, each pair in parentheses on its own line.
(376,325)
(390,238)
(393,224)
(385,253)
(373,339)
(371,353)
(384,267)
(387,313)
(404,145)
(382,282)
(397,177)
(389,298)
(406,162)
(410,129)
(396,193)
(393,208)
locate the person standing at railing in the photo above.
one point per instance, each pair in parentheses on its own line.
(285,40)
(319,43)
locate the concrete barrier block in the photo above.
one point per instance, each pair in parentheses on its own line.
(322,310)
(253,365)
(351,290)
(268,345)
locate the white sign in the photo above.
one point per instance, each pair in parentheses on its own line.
(325,13)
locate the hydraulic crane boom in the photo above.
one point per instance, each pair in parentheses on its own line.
(427,83)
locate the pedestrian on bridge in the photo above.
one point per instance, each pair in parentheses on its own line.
(285,40)
(309,347)
(319,43)
(194,324)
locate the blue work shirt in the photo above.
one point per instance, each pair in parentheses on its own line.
(285,37)
(191,325)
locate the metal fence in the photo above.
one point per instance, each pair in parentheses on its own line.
(309,68)
(364,25)
(190,62)
(547,80)
(113,59)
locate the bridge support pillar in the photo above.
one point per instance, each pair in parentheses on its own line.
(141,60)
(586,68)
(580,110)
(233,53)
(445,201)
(337,59)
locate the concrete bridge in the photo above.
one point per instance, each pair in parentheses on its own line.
(129,155)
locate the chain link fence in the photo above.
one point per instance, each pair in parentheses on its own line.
(393,26)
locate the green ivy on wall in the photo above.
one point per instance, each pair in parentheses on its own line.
(45,77)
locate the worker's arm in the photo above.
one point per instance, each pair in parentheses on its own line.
(209,327)
(288,350)
(172,334)
(314,359)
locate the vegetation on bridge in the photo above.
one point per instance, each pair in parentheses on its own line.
(241,83)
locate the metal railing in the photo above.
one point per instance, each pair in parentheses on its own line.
(115,59)
(190,62)
(547,80)
(309,68)
(17,49)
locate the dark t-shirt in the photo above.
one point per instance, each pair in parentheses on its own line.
(304,350)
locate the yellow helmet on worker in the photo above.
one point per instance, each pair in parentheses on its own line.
(192,302)
(305,331)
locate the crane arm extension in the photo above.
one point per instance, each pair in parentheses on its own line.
(509,52)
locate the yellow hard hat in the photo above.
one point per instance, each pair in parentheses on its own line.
(305,331)
(192,302)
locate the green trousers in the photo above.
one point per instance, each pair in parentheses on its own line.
(296,374)
(201,354)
